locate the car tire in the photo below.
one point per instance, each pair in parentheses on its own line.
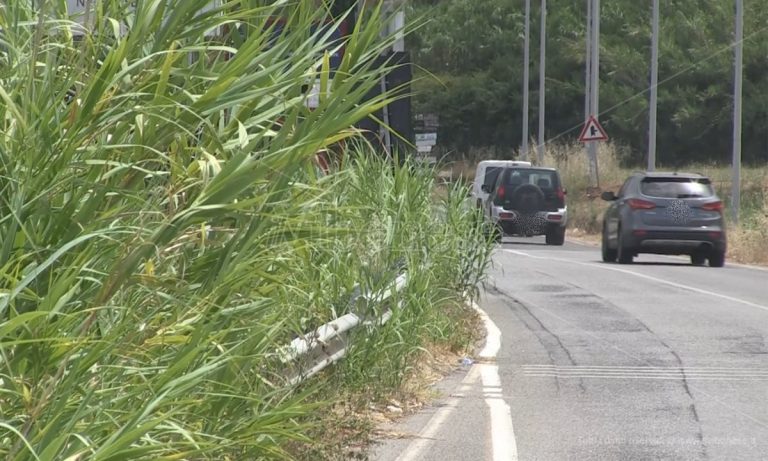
(623,254)
(717,259)
(555,236)
(609,254)
(698,259)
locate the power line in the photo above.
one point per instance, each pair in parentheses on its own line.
(666,80)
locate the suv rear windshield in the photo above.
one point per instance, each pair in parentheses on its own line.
(547,180)
(673,187)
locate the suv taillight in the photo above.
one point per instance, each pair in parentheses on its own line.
(501,192)
(638,204)
(560,193)
(713,206)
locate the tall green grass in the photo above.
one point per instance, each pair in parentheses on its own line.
(399,224)
(444,250)
(163,228)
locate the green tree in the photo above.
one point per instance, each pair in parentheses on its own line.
(475,51)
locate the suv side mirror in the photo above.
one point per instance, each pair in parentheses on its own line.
(486,188)
(608,196)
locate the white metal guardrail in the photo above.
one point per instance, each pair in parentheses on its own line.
(311,353)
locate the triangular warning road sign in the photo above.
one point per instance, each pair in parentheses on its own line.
(592,131)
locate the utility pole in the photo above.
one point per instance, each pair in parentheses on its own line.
(654,87)
(594,177)
(542,74)
(526,76)
(588,79)
(738,71)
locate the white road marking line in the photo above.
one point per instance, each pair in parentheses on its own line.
(469,379)
(503,444)
(418,446)
(490,377)
(647,277)
(493,336)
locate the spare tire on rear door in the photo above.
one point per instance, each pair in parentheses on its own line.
(527,199)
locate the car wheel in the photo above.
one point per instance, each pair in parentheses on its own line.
(698,259)
(623,253)
(555,236)
(717,259)
(609,254)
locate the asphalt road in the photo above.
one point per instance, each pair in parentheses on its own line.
(654,360)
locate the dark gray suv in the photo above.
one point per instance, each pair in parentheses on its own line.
(665,213)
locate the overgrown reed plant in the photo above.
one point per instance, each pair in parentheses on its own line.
(440,243)
(163,227)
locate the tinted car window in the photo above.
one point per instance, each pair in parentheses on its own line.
(491,175)
(623,190)
(676,187)
(545,179)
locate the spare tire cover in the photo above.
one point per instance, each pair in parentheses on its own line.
(527,198)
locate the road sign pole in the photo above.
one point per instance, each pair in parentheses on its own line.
(526,76)
(654,87)
(738,70)
(595,88)
(588,81)
(542,75)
